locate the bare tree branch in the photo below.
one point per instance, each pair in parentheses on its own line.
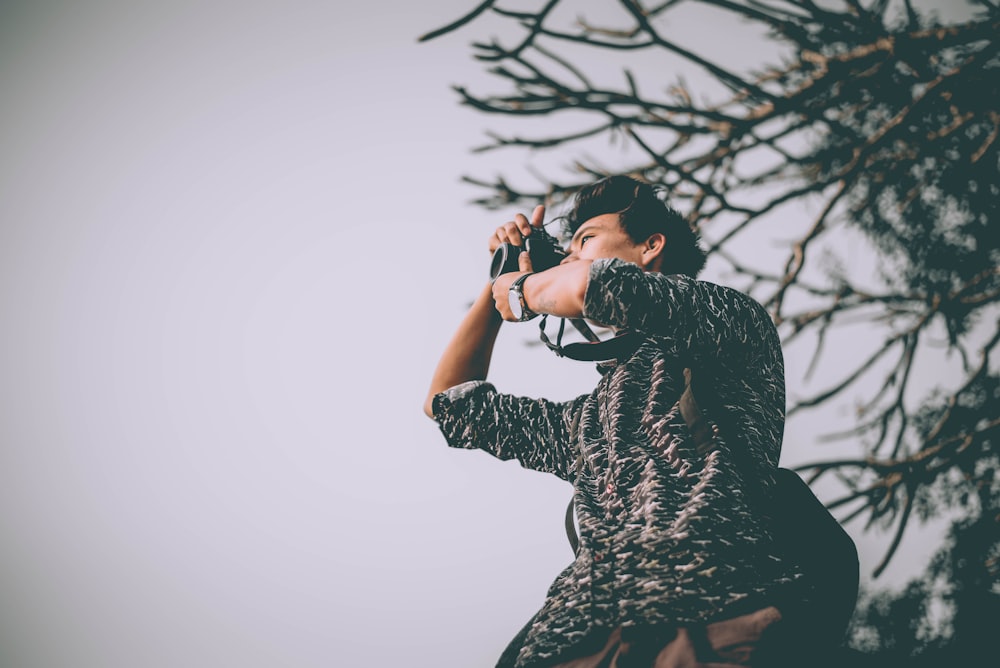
(871,124)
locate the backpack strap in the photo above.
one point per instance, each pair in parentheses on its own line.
(571,534)
(696,422)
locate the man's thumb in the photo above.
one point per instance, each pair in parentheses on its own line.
(524,261)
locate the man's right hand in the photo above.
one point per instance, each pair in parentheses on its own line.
(516,230)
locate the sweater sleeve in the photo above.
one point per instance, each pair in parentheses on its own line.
(722,334)
(537,433)
(698,320)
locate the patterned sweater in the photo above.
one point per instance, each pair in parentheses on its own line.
(667,535)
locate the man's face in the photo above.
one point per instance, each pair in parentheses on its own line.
(603,237)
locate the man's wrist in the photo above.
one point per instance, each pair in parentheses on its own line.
(518,303)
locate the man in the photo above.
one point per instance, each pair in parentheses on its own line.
(675,566)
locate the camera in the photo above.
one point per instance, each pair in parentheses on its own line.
(543,249)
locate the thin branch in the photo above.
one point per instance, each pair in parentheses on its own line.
(898,536)
(455,25)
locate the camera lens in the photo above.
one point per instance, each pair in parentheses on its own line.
(499,260)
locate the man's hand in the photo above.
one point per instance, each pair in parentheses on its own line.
(557,291)
(516,230)
(501,286)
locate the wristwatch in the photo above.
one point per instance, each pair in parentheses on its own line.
(515,298)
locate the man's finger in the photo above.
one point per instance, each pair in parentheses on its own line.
(522,224)
(513,234)
(538,216)
(524,261)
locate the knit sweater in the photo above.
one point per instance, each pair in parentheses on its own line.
(667,535)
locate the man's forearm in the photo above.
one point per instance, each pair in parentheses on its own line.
(467,356)
(558,291)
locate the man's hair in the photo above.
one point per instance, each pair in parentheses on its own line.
(641,213)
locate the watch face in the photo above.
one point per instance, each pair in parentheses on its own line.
(514,299)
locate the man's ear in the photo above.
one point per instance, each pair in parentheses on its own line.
(652,251)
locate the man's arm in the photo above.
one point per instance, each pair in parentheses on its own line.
(467,356)
(558,291)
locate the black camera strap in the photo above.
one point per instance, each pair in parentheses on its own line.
(594,350)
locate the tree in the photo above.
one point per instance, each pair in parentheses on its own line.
(881,122)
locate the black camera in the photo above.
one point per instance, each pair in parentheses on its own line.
(543,249)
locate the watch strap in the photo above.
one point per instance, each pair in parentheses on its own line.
(517,288)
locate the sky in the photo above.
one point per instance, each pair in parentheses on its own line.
(233,242)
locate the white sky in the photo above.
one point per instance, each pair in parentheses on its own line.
(233,245)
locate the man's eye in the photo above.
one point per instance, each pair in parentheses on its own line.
(585,239)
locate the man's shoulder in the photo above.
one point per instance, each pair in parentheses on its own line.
(722,296)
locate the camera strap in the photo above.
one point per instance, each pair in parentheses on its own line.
(594,350)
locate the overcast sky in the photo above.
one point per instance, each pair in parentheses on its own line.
(234,243)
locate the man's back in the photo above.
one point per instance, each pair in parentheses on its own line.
(671,534)
(668,534)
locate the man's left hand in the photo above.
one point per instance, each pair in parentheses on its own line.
(501,286)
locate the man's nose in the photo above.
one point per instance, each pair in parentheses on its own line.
(570,257)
